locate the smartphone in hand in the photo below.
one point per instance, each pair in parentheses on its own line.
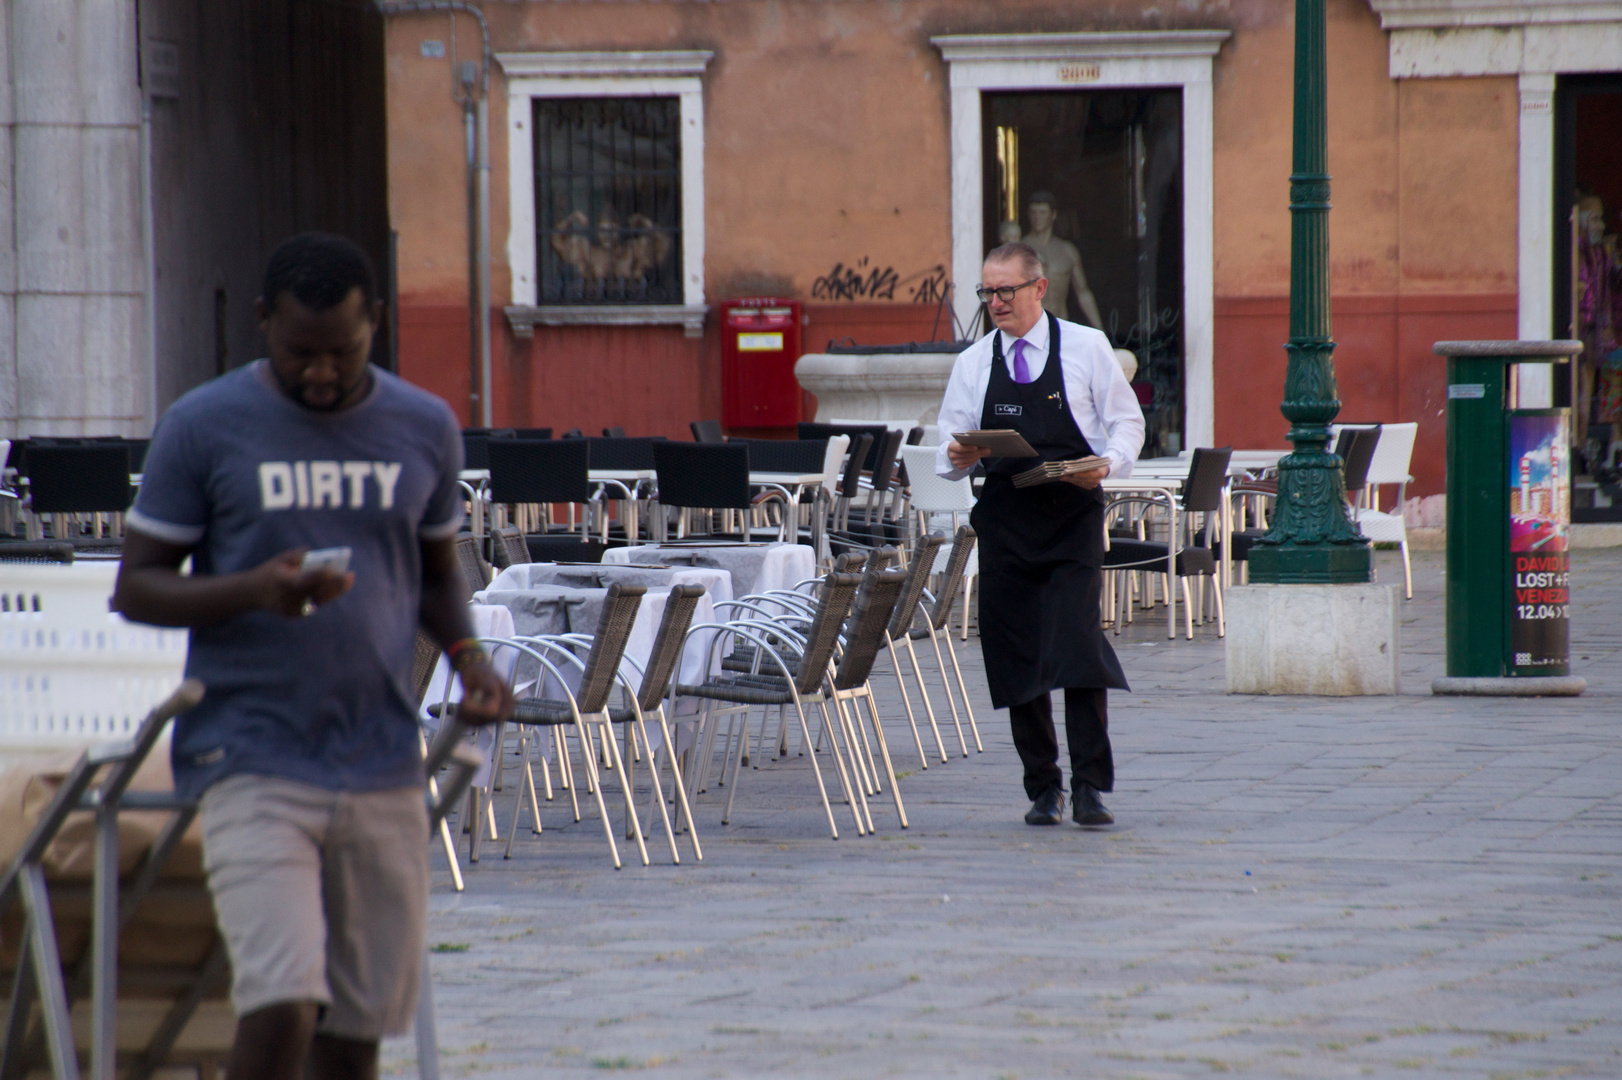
(334,560)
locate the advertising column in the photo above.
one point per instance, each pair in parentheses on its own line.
(1539,524)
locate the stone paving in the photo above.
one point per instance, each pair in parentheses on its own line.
(1299,887)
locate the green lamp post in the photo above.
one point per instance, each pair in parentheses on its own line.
(1312,540)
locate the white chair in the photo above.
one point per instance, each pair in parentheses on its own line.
(932,494)
(1392,457)
(833,463)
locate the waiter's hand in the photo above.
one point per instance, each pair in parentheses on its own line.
(964,457)
(1089,479)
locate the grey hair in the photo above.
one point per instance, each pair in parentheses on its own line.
(1019,252)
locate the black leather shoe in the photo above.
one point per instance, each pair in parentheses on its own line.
(1089,808)
(1048,809)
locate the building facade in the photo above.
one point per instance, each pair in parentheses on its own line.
(598,178)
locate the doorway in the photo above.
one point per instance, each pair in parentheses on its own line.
(1094,180)
(1588,284)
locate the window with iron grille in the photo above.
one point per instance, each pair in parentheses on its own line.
(608,200)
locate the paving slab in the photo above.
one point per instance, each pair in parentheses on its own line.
(1295,887)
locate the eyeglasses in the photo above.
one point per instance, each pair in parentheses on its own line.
(1005,293)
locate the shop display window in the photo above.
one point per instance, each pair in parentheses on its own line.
(1093,180)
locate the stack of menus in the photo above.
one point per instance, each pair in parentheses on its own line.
(1006,442)
(1049,471)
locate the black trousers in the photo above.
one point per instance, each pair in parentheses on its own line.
(1086,729)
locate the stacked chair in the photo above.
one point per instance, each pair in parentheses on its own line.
(58,962)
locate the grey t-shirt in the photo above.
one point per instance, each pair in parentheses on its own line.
(241,472)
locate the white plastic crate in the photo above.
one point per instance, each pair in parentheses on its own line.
(71,671)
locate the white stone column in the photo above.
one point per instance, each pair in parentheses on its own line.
(9,401)
(1536,212)
(79,340)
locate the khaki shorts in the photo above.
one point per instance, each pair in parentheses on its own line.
(321,896)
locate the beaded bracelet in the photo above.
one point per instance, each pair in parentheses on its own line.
(467,649)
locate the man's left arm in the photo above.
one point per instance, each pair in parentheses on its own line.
(443,613)
(444,616)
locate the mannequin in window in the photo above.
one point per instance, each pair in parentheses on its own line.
(1008,233)
(1061,260)
(1598,271)
(623,257)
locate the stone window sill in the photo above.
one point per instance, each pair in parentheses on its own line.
(690,317)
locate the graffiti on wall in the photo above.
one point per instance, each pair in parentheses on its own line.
(861,280)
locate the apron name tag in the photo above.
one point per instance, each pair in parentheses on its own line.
(1010,410)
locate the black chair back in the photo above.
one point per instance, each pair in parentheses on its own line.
(79,479)
(474,441)
(613,433)
(1206,474)
(539,470)
(1359,456)
(808,430)
(703,475)
(786,455)
(138,449)
(707,431)
(612,453)
(860,445)
(883,465)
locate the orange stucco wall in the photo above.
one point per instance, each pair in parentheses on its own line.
(827,142)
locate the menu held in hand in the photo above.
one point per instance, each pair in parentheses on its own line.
(1049,471)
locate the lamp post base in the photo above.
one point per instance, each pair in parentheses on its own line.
(1333,640)
(1314,564)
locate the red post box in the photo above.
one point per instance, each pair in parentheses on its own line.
(760,341)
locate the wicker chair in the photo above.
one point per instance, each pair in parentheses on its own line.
(598,674)
(865,634)
(474,568)
(798,684)
(937,626)
(508,547)
(906,609)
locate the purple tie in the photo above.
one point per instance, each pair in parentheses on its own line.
(1022,373)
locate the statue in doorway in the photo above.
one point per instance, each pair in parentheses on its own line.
(1062,261)
(610,254)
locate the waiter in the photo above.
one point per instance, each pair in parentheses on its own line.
(1042,548)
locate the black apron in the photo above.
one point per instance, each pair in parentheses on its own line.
(1041,548)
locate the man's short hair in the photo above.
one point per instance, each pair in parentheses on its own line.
(1043,197)
(319,269)
(1021,253)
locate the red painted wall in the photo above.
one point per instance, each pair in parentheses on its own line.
(652,380)
(1384,366)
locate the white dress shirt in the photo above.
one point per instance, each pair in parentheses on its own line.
(1101,400)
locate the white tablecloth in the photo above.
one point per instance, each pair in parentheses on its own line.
(715,581)
(755,568)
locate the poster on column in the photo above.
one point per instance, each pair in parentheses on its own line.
(1539,522)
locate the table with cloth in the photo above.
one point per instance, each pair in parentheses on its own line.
(755,568)
(560,609)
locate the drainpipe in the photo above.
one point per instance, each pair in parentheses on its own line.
(476,112)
